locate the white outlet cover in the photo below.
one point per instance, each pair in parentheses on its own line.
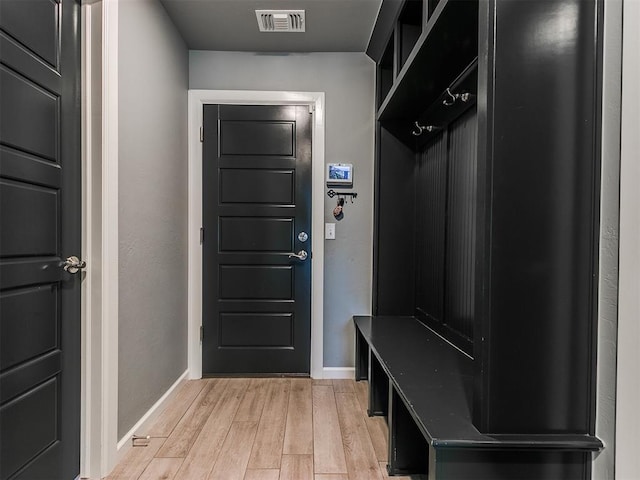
(330,231)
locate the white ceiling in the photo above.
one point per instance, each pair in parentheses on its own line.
(230,25)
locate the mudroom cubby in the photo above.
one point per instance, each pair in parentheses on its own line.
(408,29)
(385,73)
(481,348)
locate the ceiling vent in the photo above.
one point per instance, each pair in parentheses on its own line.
(280,20)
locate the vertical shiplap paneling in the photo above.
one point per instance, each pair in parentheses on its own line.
(461,225)
(431,186)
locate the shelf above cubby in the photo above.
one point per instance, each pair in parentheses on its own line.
(445,48)
(451,103)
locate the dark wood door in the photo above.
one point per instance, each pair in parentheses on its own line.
(256,203)
(39,228)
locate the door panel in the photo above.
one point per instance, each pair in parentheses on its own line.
(38,31)
(34,309)
(259,139)
(256,330)
(265,282)
(39,228)
(274,187)
(256,234)
(38,235)
(35,130)
(30,424)
(256,199)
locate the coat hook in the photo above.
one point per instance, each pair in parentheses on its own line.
(417,130)
(453,97)
(450,100)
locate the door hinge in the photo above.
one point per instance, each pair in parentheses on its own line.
(201,134)
(201,235)
(201,333)
(312,108)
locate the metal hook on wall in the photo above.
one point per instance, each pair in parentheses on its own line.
(419,129)
(451,98)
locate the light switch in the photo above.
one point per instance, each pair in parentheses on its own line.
(330,231)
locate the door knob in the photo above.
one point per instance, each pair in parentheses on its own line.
(303,237)
(73,264)
(301,255)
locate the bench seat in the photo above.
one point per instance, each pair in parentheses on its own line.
(424,385)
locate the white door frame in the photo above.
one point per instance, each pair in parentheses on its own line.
(197,100)
(99,402)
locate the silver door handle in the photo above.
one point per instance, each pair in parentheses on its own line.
(301,255)
(73,264)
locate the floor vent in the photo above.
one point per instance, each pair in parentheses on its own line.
(281,20)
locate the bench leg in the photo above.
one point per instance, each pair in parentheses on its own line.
(378,388)
(362,357)
(408,449)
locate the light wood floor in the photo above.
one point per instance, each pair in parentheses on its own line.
(263,429)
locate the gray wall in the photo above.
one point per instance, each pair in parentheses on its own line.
(348,81)
(153,80)
(628,394)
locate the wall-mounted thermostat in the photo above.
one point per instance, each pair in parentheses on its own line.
(339,175)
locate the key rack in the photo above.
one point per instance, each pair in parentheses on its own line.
(332,193)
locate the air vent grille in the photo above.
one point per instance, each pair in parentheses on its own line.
(281,20)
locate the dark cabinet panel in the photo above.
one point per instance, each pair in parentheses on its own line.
(522,465)
(394,285)
(431,194)
(540,260)
(460,268)
(446,195)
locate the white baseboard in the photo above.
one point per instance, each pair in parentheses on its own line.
(338,372)
(148,418)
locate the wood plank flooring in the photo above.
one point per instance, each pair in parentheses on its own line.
(263,429)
